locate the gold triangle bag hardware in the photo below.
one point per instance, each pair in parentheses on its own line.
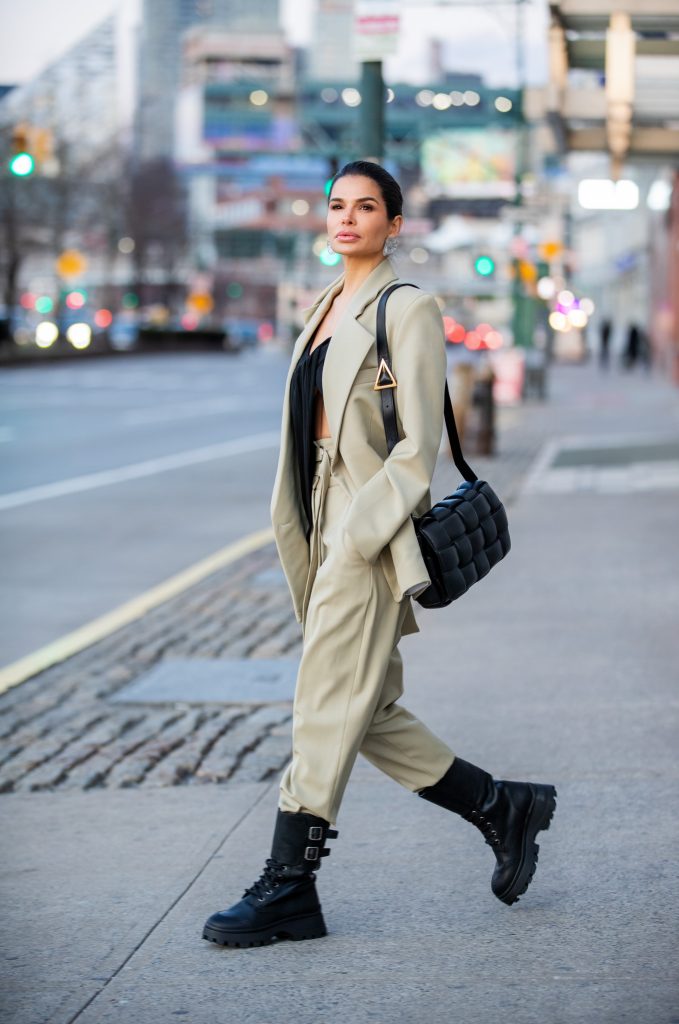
(464,535)
(384,378)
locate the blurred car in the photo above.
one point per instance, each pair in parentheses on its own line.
(243,331)
(123,331)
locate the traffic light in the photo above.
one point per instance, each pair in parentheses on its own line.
(21,163)
(329,259)
(484,266)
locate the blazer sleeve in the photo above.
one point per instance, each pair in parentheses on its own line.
(418,357)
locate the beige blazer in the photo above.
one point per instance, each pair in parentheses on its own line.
(384,488)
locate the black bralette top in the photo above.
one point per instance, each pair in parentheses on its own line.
(305,381)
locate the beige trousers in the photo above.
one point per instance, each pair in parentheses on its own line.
(351,673)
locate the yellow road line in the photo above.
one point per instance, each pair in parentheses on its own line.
(70,644)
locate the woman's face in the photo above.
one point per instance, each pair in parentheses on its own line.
(357,217)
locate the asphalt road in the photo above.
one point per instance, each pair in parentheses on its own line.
(119,473)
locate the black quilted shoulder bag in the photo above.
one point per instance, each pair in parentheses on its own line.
(463,536)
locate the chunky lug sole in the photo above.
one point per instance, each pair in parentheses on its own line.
(538,818)
(312,926)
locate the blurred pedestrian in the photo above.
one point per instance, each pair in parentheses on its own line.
(341,509)
(632,347)
(605,329)
(645,350)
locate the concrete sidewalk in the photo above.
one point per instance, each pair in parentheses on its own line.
(560,667)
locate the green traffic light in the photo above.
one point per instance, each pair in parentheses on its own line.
(329,259)
(484,266)
(22,164)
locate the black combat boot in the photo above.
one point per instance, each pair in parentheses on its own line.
(283,902)
(510,814)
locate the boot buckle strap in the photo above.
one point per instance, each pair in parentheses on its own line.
(315,832)
(311,853)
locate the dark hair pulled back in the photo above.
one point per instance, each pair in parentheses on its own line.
(389,187)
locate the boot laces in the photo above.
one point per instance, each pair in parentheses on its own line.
(485,826)
(270,878)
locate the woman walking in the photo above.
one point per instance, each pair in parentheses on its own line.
(341,509)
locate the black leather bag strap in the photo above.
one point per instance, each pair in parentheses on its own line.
(387,394)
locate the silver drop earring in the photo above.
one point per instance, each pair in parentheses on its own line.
(329,248)
(390,246)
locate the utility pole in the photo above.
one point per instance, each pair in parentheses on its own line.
(372,111)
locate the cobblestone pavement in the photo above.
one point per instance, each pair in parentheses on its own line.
(60,730)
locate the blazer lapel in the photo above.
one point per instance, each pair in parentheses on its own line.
(351,341)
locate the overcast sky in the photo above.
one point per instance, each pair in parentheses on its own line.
(476,38)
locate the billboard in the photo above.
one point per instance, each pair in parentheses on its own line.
(470,163)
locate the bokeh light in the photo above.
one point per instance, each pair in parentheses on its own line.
(103,318)
(351,96)
(577,318)
(418,254)
(558,321)
(22,165)
(75,300)
(79,335)
(494,339)
(546,288)
(424,98)
(46,333)
(329,259)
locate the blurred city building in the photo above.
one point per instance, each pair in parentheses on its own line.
(236,128)
(162,26)
(75,109)
(331,55)
(65,137)
(612,106)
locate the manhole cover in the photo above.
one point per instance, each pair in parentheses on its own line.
(218,681)
(624,455)
(605,465)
